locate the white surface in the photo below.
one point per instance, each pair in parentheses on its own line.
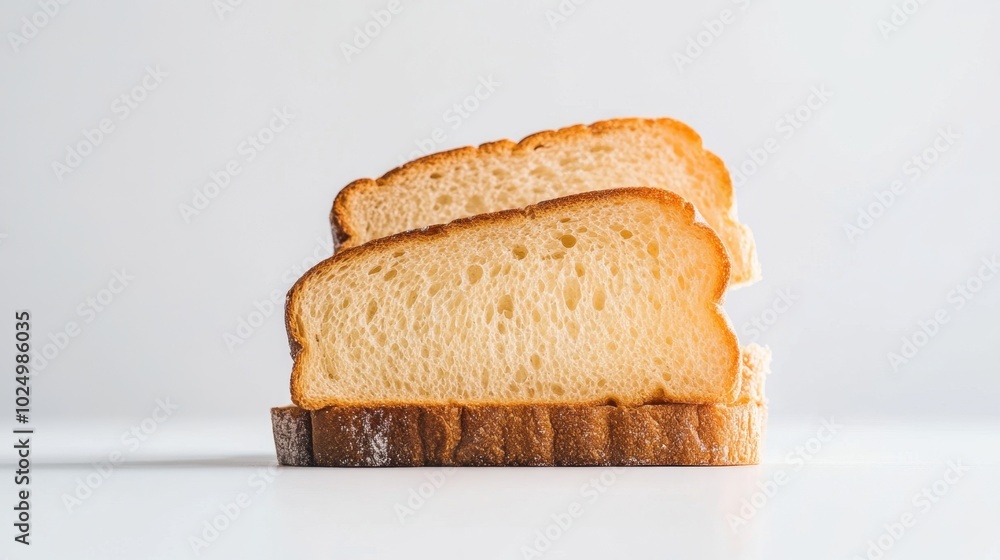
(834,498)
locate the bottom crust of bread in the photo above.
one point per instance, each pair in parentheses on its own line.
(522,435)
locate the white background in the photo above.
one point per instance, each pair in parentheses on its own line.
(854,298)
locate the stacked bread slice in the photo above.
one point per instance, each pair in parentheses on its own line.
(582,326)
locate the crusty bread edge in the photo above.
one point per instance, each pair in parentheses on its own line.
(524,435)
(344,231)
(666,198)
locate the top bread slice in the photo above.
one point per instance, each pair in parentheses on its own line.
(446,186)
(607,296)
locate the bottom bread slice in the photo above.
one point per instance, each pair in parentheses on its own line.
(520,435)
(531,435)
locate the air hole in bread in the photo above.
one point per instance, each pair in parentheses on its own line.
(390,275)
(653,248)
(505,306)
(522,374)
(568,241)
(375,270)
(558,389)
(626,234)
(580,269)
(599,298)
(520,251)
(571,294)
(442,201)
(475,272)
(436,175)
(372,309)
(536,361)
(543,171)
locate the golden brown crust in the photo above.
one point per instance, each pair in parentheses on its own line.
(345,231)
(532,435)
(298,343)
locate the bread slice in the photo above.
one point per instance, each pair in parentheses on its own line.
(531,435)
(608,296)
(442,187)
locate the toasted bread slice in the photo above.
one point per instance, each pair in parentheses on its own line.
(608,296)
(442,187)
(531,435)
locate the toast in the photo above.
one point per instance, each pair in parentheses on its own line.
(531,435)
(446,186)
(606,297)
